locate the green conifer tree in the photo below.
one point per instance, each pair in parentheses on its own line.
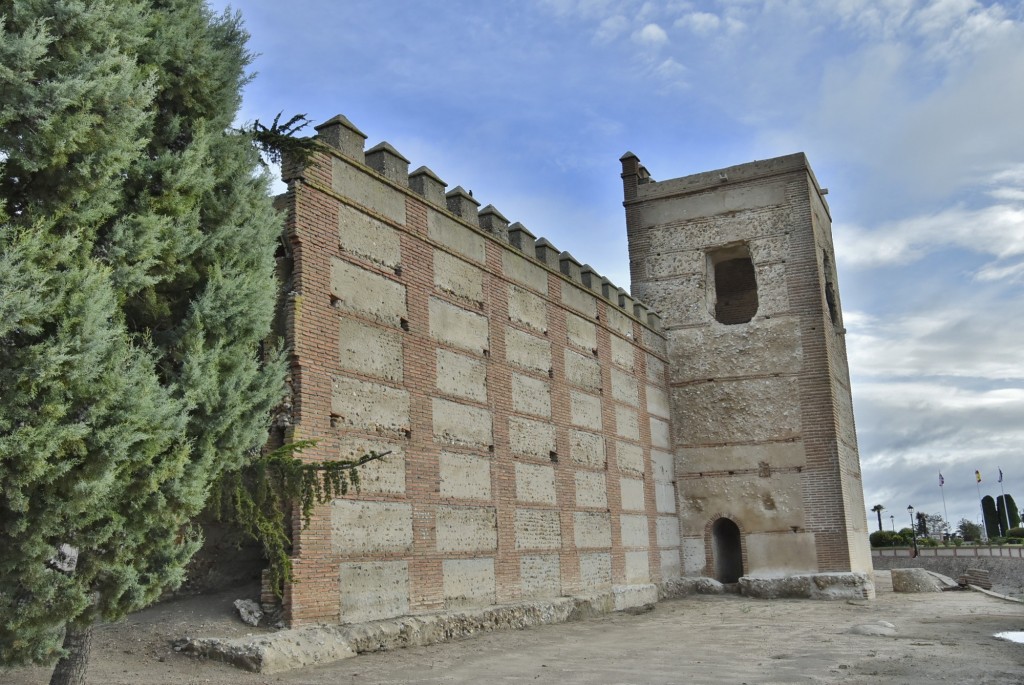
(136,285)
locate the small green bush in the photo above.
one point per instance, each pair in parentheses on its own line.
(1015,533)
(886,538)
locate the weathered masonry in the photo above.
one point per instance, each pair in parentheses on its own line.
(549,434)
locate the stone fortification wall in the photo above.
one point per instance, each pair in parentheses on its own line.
(739,263)
(1004,564)
(523,399)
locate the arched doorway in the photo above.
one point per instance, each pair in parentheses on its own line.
(725,544)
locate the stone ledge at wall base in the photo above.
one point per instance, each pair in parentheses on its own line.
(810,586)
(321,644)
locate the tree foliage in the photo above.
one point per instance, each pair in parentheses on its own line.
(136,286)
(969,530)
(988,510)
(259,496)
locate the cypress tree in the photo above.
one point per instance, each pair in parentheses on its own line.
(136,286)
(988,509)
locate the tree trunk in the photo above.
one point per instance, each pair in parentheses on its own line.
(70,670)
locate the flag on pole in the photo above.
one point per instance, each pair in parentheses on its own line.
(1000,476)
(977,476)
(942,481)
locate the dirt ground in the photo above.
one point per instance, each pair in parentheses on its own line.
(939,638)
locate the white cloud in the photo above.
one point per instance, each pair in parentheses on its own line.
(651,35)
(611,28)
(702,23)
(996,230)
(963,339)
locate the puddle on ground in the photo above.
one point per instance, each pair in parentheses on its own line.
(1012,636)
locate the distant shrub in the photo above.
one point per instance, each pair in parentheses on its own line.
(1015,533)
(886,538)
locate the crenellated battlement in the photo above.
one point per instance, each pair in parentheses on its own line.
(343,138)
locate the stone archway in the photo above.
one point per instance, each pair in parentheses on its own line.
(726,547)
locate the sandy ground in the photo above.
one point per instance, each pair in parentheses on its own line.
(940,638)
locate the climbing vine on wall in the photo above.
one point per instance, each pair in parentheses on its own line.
(259,497)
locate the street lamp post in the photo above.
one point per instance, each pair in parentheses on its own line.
(892,522)
(913,528)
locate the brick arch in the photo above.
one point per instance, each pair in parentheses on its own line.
(709,551)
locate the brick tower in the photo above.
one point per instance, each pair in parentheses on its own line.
(739,263)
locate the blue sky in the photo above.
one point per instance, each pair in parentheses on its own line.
(910,111)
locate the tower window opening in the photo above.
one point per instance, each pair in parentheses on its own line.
(735,281)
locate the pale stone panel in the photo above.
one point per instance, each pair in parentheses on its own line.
(694,558)
(592,529)
(531,438)
(374,590)
(385,476)
(668,531)
(369,406)
(587,449)
(671,568)
(465,476)
(660,265)
(680,301)
(454,235)
(524,271)
(655,370)
(527,351)
(657,401)
(538,529)
(528,309)
(626,423)
(618,321)
(468,582)
(734,457)
(693,206)
(368,238)
(596,571)
(629,457)
(580,332)
(458,277)
(367,190)
(623,352)
(582,370)
(660,434)
(459,424)
(591,490)
(370,350)
(772,290)
(776,503)
(654,342)
(461,376)
(535,483)
(531,395)
(357,290)
(664,497)
(585,410)
(771,411)
(625,388)
(766,346)
(581,300)
(638,568)
(359,527)
(780,554)
(663,465)
(632,492)
(634,531)
(540,575)
(466,529)
(458,327)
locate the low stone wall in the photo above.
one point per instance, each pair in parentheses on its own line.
(1005,571)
